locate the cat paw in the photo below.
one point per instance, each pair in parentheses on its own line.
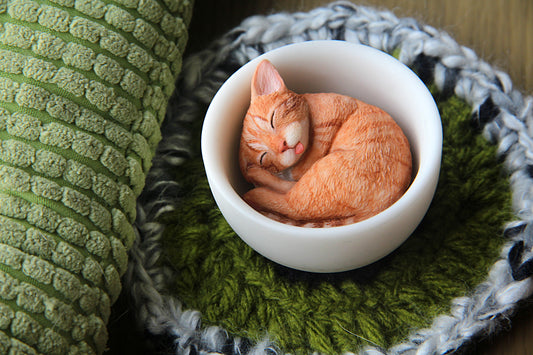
(251,198)
(263,199)
(263,178)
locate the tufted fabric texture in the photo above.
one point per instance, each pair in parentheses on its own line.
(237,289)
(84,86)
(501,114)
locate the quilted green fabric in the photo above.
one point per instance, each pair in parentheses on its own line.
(84,86)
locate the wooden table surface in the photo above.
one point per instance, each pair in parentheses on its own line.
(499,31)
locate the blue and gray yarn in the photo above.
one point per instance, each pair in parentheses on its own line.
(503,114)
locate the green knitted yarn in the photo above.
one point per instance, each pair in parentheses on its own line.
(249,296)
(84,86)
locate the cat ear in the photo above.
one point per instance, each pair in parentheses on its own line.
(266,80)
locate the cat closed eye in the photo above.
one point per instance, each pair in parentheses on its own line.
(261,159)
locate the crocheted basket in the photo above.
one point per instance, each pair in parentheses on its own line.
(176,216)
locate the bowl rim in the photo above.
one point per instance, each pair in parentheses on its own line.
(429,160)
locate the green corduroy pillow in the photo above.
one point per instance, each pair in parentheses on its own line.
(84,86)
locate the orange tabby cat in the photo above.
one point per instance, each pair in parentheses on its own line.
(319,159)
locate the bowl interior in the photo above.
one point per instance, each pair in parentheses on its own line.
(325,66)
(364,74)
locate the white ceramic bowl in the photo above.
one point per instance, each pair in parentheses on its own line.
(326,66)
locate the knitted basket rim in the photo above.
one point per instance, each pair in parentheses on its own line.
(504,114)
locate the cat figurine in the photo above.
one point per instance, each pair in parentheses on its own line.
(319,159)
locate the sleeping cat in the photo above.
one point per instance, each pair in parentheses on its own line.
(319,159)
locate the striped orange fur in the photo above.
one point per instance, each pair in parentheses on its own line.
(319,159)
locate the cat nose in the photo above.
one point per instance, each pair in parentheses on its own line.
(283,146)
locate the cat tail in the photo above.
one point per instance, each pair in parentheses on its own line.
(334,222)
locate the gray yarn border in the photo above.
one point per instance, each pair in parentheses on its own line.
(455,68)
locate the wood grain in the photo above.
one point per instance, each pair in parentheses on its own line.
(499,31)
